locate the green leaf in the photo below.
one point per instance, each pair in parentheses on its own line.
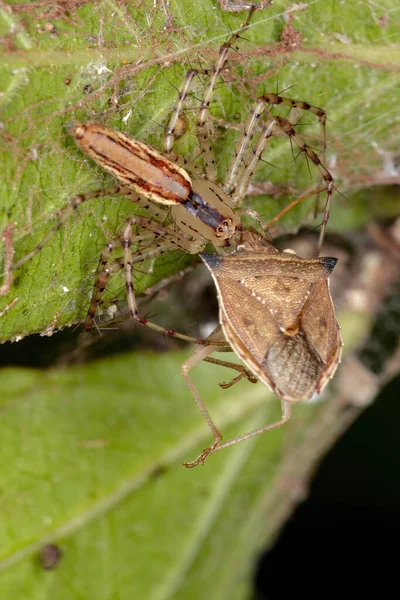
(91,461)
(87,453)
(345,58)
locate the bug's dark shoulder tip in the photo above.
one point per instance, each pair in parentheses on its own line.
(329,263)
(213,261)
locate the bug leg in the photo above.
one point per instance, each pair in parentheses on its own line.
(200,355)
(286,414)
(244,373)
(292,204)
(204,354)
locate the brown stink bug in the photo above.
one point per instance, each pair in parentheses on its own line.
(277,315)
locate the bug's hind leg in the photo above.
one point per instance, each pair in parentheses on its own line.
(286,414)
(204,354)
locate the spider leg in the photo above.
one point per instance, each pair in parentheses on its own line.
(242,146)
(277,100)
(172,240)
(250,161)
(287,128)
(106,267)
(203,124)
(63,217)
(67,212)
(243,166)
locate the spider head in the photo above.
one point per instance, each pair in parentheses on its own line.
(215,221)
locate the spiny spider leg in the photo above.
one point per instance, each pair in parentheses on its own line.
(106,267)
(250,162)
(244,164)
(258,111)
(287,128)
(128,262)
(77,201)
(277,100)
(203,125)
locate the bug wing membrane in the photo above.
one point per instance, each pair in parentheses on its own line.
(287,333)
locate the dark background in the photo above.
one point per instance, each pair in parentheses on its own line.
(344,538)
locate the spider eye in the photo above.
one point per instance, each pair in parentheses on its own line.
(225,224)
(220,229)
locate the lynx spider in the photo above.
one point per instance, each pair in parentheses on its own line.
(188,227)
(196,211)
